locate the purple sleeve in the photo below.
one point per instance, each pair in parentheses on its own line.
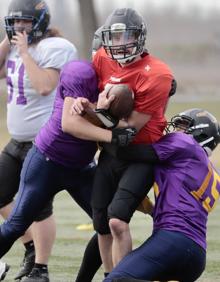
(174,146)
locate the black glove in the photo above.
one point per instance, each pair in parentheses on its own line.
(108,120)
(123,136)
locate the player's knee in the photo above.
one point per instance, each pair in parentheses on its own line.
(117,226)
(120,209)
(100,222)
(4,209)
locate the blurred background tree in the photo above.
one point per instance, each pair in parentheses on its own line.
(89,23)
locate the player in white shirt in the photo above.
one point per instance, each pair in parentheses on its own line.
(31,57)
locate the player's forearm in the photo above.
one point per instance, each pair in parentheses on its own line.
(79,127)
(138,120)
(44,81)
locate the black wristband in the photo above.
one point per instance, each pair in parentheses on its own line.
(108,120)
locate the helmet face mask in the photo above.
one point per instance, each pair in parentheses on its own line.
(201,124)
(12,27)
(121,43)
(35,11)
(182,123)
(123,35)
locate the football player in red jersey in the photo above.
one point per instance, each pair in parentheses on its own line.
(120,186)
(123,59)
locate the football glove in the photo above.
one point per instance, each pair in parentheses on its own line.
(123,136)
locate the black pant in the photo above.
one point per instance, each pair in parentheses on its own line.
(119,187)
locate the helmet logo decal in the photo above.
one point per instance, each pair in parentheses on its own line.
(201,114)
(204,114)
(40,5)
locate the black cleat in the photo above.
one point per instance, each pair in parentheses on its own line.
(4,268)
(26,265)
(37,275)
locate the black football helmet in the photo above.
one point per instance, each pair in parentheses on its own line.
(123,35)
(35,10)
(202,125)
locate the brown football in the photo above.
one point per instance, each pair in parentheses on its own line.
(122,105)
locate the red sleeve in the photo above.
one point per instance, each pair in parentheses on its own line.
(152,95)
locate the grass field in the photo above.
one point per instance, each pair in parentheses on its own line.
(70,243)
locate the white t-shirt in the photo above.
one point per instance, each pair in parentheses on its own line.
(27,111)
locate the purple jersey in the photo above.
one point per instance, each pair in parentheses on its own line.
(187,187)
(61,147)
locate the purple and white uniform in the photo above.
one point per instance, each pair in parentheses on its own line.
(27,111)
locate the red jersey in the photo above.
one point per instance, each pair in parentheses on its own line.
(150,79)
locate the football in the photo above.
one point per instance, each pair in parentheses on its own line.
(122,106)
(91,116)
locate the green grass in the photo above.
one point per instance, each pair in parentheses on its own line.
(175,107)
(70,243)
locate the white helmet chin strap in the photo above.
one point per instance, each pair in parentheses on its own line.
(206,141)
(206,148)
